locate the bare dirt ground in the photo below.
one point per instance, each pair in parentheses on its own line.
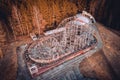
(100,65)
(111,48)
(105,64)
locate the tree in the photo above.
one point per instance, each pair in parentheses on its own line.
(15,21)
(56,11)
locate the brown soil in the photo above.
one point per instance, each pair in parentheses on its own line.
(105,64)
(102,65)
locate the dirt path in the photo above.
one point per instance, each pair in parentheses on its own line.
(111,47)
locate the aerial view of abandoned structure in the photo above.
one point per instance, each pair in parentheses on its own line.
(59,40)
